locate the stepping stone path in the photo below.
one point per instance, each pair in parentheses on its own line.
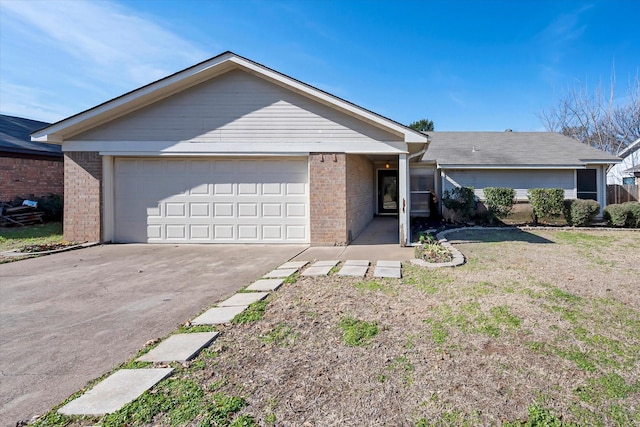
(356,268)
(390,269)
(263,285)
(280,272)
(180,347)
(126,385)
(115,391)
(243,299)
(320,268)
(219,315)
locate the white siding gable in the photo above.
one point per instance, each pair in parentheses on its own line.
(238,107)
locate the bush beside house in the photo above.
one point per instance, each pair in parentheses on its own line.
(499,201)
(580,212)
(546,202)
(623,215)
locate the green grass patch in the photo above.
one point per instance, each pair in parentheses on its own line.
(253,313)
(280,335)
(357,332)
(539,417)
(375,285)
(429,281)
(292,278)
(610,386)
(17,237)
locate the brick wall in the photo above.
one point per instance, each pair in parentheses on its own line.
(360,193)
(22,177)
(327,187)
(83,198)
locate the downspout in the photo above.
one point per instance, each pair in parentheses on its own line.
(421,152)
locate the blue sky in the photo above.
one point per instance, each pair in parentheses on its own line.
(466,65)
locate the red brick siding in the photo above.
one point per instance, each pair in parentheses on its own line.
(327,188)
(360,193)
(83,196)
(26,177)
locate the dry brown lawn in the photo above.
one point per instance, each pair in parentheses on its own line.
(543,320)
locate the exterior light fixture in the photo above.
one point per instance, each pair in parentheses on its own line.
(387,166)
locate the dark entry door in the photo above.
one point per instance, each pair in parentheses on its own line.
(387,192)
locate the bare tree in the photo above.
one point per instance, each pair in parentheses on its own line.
(598,118)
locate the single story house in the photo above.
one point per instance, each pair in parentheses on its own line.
(27,168)
(231,151)
(623,173)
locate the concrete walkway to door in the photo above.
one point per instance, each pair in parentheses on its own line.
(68,318)
(380,240)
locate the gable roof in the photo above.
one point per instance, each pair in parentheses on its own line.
(160,89)
(14,137)
(511,150)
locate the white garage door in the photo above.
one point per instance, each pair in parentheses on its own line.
(211,201)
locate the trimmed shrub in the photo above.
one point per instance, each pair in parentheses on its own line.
(499,200)
(546,202)
(580,212)
(615,215)
(52,206)
(633,214)
(461,200)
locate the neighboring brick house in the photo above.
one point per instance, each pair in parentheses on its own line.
(230,151)
(27,168)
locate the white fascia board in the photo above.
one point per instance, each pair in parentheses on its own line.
(212,148)
(602,162)
(462,166)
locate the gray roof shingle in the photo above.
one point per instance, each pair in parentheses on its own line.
(516,149)
(15,137)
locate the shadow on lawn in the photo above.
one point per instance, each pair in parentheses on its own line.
(491,235)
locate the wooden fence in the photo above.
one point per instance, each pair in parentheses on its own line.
(622,193)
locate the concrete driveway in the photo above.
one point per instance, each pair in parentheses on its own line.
(68,318)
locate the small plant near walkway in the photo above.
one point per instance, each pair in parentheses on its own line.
(430,250)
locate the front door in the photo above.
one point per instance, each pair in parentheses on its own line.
(388,192)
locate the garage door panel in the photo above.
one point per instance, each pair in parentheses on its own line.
(200,210)
(227,201)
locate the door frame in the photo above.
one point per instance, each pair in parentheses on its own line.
(380,173)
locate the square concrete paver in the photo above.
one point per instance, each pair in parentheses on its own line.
(293,264)
(330,263)
(179,347)
(353,270)
(115,391)
(218,315)
(265,285)
(280,272)
(390,272)
(357,262)
(243,298)
(322,270)
(392,264)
